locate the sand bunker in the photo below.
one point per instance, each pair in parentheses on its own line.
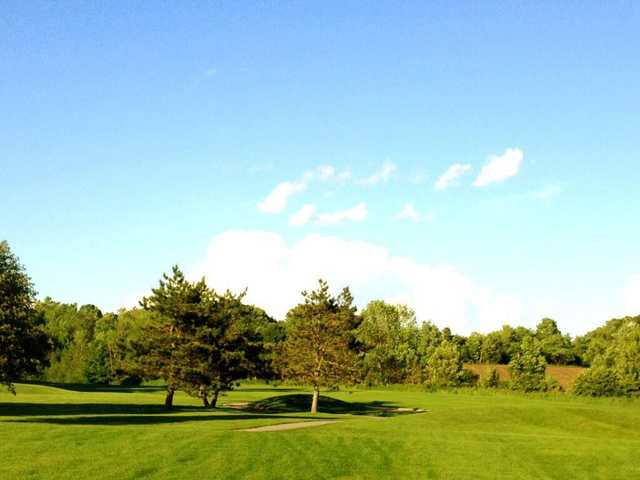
(289,426)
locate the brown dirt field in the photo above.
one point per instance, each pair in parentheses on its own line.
(565,375)
(289,426)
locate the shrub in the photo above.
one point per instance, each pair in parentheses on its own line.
(597,382)
(468,378)
(492,380)
(444,367)
(528,367)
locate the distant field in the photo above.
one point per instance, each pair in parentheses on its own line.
(564,375)
(123,433)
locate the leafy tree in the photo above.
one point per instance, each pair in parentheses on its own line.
(72,331)
(492,348)
(444,366)
(429,339)
(473,348)
(528,367)
(387,335)
(556,348)
(23,343)
(319,348)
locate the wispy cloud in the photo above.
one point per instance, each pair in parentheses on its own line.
(355,214)
(500,167)
(452,175)
(277,200)
(381,176)
(409,212)
(302,216)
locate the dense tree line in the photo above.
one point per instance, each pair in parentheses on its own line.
(203,342)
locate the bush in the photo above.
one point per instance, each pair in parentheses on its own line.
(444,367)
(528,367)
(552,385)
(597,382)
(492,380)
(468,378)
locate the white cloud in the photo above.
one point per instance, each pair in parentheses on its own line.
(631,294)
(356,214)
(381,176)
(277,200)
(451,176)
(500,167)
(302,216)
(276,272)
(408,212)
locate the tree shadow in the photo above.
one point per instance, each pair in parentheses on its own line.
(120,420)
(297,403)
(19,409)
(269,389)
(96,388)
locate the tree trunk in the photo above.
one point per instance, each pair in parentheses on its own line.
(205,401)
(168,401)
(314,402)
(214,399)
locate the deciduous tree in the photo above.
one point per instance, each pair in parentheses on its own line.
(23,343)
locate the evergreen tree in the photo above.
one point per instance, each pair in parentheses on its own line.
(320,343)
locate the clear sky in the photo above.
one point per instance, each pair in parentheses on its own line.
(477,161)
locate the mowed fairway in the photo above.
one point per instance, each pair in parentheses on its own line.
(120,433)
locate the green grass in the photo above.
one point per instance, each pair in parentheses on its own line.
(77,432)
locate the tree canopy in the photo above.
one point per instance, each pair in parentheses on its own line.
(23,342)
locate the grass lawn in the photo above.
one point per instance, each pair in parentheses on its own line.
(121,433)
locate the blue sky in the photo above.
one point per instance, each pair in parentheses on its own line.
(135,137)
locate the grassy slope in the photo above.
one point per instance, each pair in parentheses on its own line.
(48,432)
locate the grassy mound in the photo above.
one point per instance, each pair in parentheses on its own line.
(296,403)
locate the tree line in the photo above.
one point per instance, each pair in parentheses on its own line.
(203,342)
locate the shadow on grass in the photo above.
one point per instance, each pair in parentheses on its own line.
(119,420)
(87,387)
(18,409)
(269,389)
(297,403)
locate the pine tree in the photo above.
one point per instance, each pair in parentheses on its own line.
(320,348)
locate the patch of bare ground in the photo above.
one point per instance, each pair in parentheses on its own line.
(289,426)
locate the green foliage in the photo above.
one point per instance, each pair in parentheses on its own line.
(73,333)
(23,343)
(597,382)
(528,367)
(444,366)
(491,380)
(556,348)
(198,341)
(321,339)
(614,353)
(388,335)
